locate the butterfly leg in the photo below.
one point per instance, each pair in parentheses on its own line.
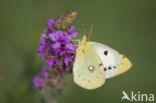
(78,40)
(72,56)
(76,45)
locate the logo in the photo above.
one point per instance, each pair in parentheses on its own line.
(137,96)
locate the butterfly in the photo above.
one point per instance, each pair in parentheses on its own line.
(96,62)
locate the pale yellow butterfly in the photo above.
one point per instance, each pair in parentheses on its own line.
(96,62)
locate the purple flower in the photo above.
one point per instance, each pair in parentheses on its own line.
(47,31)
(44,72)
(60,37)
(63,70)
(71,32)
(71,29)
(42,50)
(67,59)
(50,23)
(36,81)
(57,48)
(61,40)
(43,39)
(40,81)
(70,46)
(53,60)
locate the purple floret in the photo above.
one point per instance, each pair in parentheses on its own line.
(40,81)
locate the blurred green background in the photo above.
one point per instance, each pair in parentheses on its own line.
(128,26)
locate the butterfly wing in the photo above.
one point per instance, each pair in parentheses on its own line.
(88,69)
(114,63)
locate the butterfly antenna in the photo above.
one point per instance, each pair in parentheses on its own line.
(84,28)
(91,30)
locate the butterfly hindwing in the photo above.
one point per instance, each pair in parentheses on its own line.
(88,68)
(113,62)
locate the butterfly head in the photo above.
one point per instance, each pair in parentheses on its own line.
(85,38)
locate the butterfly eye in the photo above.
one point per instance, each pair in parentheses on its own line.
(91,68)
(105,52)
